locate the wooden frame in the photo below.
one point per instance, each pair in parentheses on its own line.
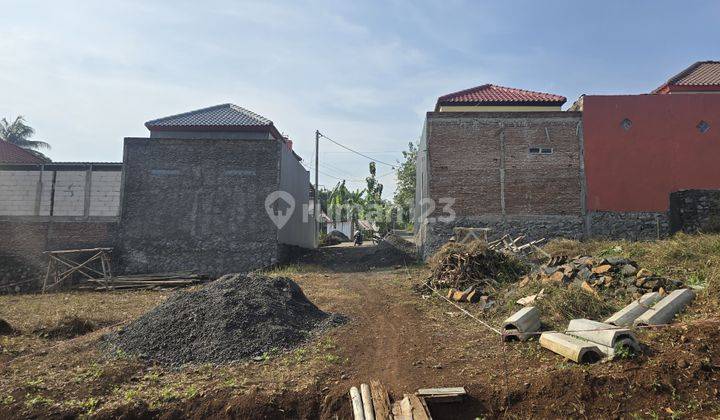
(64,263)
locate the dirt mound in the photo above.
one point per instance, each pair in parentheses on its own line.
(6,328)
(464,265)
(393,241)
(339,236)
(67,327)
(233,318)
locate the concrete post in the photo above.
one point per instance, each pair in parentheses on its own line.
(571,348)
(521,324)
(664,311)
(604,334)
(627,315)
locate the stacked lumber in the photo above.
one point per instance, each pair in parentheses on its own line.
(373,402)
(150,281)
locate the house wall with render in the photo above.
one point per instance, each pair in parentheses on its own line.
(662,150)
(485,162)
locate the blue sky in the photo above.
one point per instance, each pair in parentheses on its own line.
(86,74)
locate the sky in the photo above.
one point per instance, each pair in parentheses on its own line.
(86,74)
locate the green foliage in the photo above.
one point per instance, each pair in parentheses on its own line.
(405,192)
(19,134)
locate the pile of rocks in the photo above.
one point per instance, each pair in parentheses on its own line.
(615,275)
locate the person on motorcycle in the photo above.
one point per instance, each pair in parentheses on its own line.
(358,237)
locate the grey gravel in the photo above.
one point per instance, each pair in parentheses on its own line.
(233,318)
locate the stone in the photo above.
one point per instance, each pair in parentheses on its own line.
(628,270)
(617,260)
(586,286)
(643,272)
(557,277)
(601,269)
(584,273)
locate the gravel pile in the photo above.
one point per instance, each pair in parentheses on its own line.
(232,318)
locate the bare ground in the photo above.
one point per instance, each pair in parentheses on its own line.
(394,335)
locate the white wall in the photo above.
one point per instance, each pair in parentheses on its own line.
(344,227)
(23,193)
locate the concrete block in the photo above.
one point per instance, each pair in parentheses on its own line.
(627,315)
(572,348)
(664,311)
(522,324)
(606,335)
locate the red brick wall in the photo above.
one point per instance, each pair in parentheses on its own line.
(465,152)
(635,170)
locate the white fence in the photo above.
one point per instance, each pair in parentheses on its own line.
(60,190)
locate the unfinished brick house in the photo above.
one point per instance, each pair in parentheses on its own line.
(508,157)
(190,197)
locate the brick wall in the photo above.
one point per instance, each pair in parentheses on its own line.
(25,239)
(483,161)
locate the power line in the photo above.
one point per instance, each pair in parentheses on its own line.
(356,152)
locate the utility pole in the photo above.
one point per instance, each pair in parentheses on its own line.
(316,210)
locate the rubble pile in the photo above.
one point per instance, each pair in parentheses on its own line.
(614,275)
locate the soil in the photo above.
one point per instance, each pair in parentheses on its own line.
(406,341)
(66,328)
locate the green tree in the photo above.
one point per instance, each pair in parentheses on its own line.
(405,193)
(19,134)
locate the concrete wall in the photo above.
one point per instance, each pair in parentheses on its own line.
(295,180)
(30,191)
(198,204)
(636,169)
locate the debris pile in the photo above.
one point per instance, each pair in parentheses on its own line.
(235,317)
(67,327)
(473,266)
(611,275)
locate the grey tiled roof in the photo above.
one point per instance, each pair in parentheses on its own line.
(219,115)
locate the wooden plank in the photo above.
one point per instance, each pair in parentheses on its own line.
(450,394)
(406,408)
(381,400)
(69,251)
(418,409)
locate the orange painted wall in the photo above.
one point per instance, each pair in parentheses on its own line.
(663,151)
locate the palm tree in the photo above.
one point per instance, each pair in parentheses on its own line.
(19,134)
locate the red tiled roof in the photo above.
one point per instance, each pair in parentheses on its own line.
(701,73)
(500,95)
(9,153)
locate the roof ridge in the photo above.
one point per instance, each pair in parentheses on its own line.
(253,115)
(465,90)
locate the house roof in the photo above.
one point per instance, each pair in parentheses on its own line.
(10,153)
(224,116)
(489,94)
(701,73)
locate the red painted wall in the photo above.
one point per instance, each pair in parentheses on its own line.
(663,151)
